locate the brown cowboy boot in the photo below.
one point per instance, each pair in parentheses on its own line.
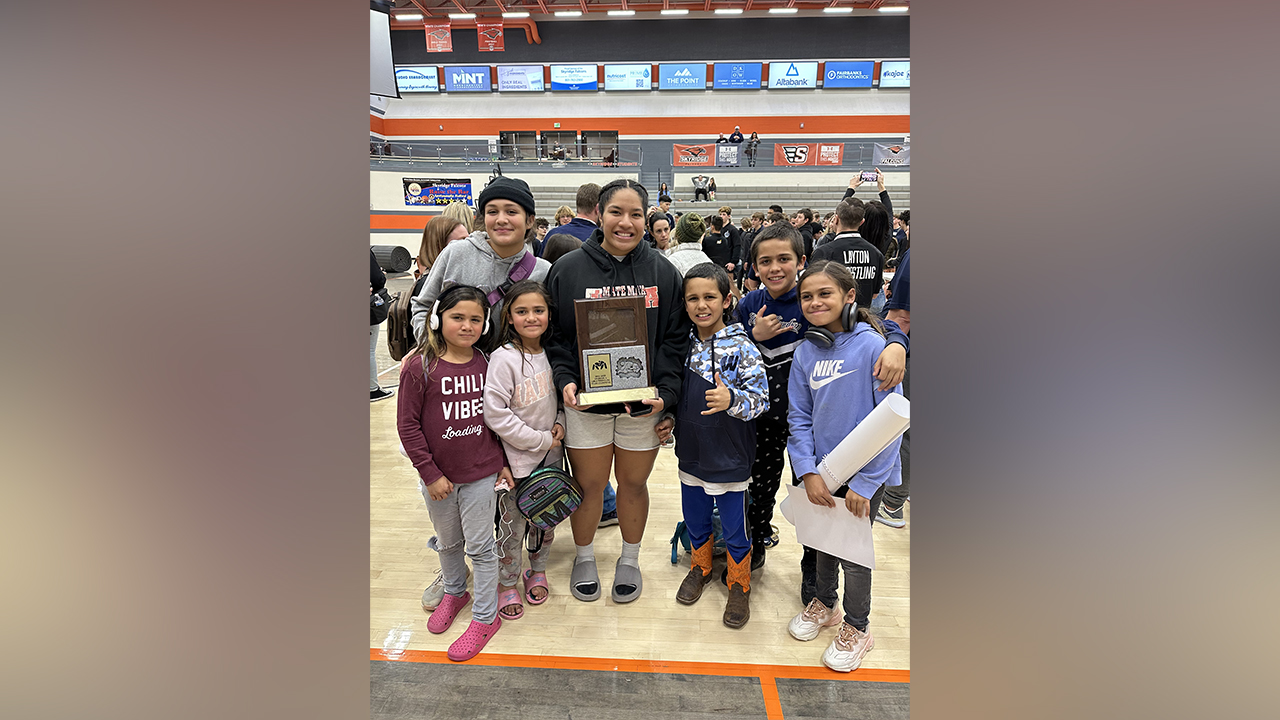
(698,577)
(738,610)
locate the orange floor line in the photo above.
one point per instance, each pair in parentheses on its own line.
(772,703)
(645,666)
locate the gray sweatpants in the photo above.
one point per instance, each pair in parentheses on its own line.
(511,542)
(464,526)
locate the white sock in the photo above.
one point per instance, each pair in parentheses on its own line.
(630,554)
(586,552)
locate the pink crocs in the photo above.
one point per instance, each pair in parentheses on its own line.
(473,640)
(450,605)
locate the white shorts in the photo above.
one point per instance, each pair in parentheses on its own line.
(585,430)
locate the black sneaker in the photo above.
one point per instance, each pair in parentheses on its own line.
(380,394)
(609,518)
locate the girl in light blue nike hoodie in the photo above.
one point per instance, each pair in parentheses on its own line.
(831,389)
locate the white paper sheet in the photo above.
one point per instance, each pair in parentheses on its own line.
(881,426)
(834,531)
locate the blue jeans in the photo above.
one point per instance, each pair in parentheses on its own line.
(610,499)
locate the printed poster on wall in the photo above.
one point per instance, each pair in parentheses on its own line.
(489,34)
(891,155)
(796,154)
(697,155)
(432,192)
(439,36)
(727,155)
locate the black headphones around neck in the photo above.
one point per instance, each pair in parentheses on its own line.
(823,337)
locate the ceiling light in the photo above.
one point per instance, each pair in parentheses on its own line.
(622,13)
(895,8)
(675,12)
(515,14)
(568,13)
(408,16)
(783,11)
(728,11)
(834,10)
(462,16)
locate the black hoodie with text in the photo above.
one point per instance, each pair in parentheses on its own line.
(590,272)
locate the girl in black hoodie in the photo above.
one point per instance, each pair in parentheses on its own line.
(615,262)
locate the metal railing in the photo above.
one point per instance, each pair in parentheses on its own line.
(588,154)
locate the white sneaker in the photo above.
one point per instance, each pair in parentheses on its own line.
(845,653)
(434,593)
(809,623)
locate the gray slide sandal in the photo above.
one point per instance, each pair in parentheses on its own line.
(629,576)
(584,573)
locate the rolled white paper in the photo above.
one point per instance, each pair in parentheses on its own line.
(881,426)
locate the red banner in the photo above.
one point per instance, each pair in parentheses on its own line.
(790,154)
(697,155)
(439,36)
(489,34)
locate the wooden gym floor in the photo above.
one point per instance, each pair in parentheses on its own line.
(651,635)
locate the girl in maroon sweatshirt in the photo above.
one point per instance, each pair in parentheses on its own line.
(440,417)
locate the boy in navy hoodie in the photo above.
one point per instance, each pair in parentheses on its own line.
(724,389)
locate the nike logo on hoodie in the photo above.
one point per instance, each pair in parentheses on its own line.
(830,368)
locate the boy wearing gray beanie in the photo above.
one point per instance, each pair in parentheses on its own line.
(688,249)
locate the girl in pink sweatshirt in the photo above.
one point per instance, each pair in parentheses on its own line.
(440,418)
(521,405)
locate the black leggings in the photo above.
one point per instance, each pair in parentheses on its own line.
(766,476)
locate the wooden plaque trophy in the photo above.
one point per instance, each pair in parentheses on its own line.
(613,338)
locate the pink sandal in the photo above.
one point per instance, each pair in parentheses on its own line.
(535,580)
(450,605)
(506,599)
(473,640)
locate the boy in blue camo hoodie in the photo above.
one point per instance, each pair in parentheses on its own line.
(724,389)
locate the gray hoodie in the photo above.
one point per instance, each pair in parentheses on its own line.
(469,262)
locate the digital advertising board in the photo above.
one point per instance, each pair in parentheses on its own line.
(787,75)
(857,74)
(467,78)
(737,76)
(628,77)
(574,77)
(520,78)
(418,78)
(682,76)
(895,73)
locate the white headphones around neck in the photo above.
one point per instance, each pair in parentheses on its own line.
(434,320)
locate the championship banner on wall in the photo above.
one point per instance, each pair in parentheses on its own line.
(891,155)
(489,33)
(436,191)
(439,36)
(727,155)
(693,155)
(795,154)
